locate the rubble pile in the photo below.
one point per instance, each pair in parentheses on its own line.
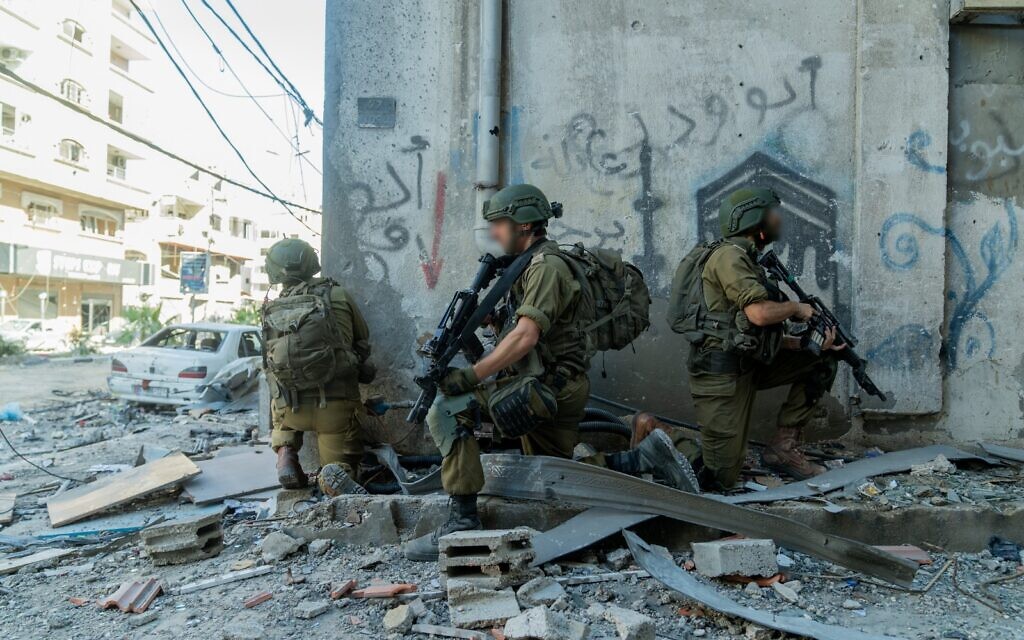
(273,563)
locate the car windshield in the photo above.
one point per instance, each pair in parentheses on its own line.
(186,338)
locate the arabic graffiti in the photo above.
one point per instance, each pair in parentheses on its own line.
(917,142)
(986,159)
(969,333)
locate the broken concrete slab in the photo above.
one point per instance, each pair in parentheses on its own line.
(541,590)
(666,572)
(375,526)
(119,488)
(186,540)
(541,623)
(544,478)
(279,545)
(736,556)
(629,624)
(309,609)
(399,619)
(478,608)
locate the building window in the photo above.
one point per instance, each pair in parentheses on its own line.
(215,222)
(117,165)
(120,61)
(242,228)
(122,9)
(72,151)
(73,30)
(72,91)
(98,225)
(40,209)
(115,107)
(8,119)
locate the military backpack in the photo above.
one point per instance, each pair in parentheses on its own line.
(304,349)
(615,302)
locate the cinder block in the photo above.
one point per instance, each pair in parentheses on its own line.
(487,559)
(742,556)
(181,541)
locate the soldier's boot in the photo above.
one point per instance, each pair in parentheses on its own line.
(657,454)
(335,480)
(462,516)
(783,455)
(289,471)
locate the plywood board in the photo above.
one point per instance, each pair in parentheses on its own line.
(235,474)
(120,488)
(10,566)
(7,507)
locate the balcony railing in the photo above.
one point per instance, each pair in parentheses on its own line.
(115,171)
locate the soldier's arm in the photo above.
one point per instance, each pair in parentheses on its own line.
(736,274)
(512,348)
(346,316)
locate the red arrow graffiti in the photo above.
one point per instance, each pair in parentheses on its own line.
(432,265)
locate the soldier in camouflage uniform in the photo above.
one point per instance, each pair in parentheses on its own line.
(331,411)
(539,338)
(743,348)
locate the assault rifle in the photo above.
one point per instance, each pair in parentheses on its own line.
(820,323)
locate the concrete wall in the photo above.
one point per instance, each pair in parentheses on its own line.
(638,117)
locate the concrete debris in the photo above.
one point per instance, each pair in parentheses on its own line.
(475,607)
(400,619)
(143,619)
(736,556)
(450,632)
(940,464)
(342,589)
(278,546)
(308,610)
(319,547)
(133,596)
(233,576)
(852,604)
(243,631)
(786,593)
(629,624)
(541,623)
(618,559)
(181,541)
(490,559)
(540,591)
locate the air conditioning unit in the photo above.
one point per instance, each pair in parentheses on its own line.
(11,57)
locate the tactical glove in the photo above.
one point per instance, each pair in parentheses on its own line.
(459,381)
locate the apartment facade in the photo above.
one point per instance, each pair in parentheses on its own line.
(90,220)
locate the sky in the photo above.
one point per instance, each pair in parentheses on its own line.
(292,32)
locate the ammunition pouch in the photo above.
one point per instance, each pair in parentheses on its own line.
(521,406)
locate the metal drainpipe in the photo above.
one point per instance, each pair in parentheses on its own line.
(488,144)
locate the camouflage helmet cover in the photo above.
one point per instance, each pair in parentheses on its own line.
(521,203)
(291,259)
(745,209)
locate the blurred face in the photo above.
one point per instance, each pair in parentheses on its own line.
(772,229)
(511,237)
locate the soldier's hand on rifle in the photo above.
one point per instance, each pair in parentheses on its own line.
(830,339)
(458,381)
(804,312)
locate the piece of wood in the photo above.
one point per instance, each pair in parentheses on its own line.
(10,566)
(234,576)
(227,476)
(7,507)
(119,488)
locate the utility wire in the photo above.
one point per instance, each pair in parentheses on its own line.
(196,75)
(306,109)
(213,119)
(41,468)
(227,65)
(143,141)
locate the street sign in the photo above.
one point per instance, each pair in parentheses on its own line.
(195,272)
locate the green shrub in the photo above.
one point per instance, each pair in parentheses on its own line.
(140,323)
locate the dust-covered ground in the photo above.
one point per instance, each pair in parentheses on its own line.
(72,427)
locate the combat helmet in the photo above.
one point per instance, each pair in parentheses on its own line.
(521,203)
(744,209)
(290,260)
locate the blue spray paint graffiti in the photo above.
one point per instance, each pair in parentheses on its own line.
(997,250)
(916,144)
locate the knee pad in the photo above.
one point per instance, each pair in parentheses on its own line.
(521,406)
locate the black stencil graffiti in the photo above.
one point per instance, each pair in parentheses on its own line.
(810,217)
(563,233)
(416,145)
(757,99)
(811,66)
(646,204)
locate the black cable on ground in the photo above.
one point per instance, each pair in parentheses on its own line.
(614,428)
(626,407)
(43,469)
(592,414)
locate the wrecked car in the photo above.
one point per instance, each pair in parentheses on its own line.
(177,364)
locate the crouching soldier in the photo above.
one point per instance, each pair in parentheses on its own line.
(734,317)
(316,353)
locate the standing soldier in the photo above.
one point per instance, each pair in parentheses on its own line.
(317,353)
(541,361)
(734,317)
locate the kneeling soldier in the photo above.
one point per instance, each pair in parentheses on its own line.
(316,354)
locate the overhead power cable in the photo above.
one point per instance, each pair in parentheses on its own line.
(280,77)
(148,143)
(213,118)
(195,74)
(227,65)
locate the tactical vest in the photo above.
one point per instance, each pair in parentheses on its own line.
(689,315)
(305,351)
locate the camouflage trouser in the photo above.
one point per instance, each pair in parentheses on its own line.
(338,436)
(461,471)
(724,402)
